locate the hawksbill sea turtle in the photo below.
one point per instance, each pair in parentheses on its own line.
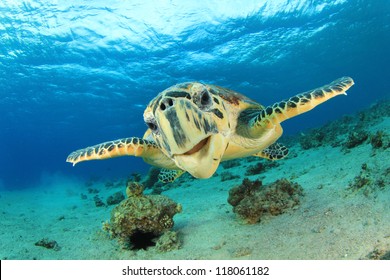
(193,126)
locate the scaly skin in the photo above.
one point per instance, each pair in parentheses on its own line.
(194,126)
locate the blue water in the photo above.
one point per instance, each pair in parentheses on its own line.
(76,73)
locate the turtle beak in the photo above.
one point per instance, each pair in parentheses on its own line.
(203,159)
(190,138)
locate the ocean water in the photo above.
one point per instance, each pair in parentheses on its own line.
(77,73)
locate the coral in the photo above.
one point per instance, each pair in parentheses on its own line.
(246,189)
(368,181)
(231,163)
(356,138)
(376,140)
(380,140)
(136,177)
(252,201)
(315,138)
(98,201)
(363,179)
(134,189)
(168,241)
(48,244)
(115,198)
(379,254)
(225,176)
(141,218)
(260,167)
(255,169)
(333,132)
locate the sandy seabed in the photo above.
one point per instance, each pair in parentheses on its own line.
(332,222)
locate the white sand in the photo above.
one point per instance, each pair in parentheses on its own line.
(331,222)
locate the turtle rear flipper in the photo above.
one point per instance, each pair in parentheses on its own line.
(274,152)
(269,118)
(167,175)
(132,146)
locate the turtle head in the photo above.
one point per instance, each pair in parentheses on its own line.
(190,125)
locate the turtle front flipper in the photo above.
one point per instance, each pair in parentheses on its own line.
(132,146)
(167,175)
(274,152)
(259,120)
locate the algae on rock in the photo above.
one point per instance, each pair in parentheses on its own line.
(252,201)
(146,215)
(369,181)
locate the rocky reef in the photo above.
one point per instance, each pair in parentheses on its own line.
(252,201)
(260,167)
(226,176)
(378,254)
(334,133)
(142,220)
(369,180)
(380,140)
(115,198)
(355,138)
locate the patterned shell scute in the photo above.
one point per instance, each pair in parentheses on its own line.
(232,97)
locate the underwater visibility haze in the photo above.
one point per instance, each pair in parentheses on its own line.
(76,73)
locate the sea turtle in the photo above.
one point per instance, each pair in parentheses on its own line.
(193,126)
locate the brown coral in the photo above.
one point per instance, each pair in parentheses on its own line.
(225,176)
(141,216)
(134,189)
(251,201)
(315,138)
(246,189)
(380,140)
(168,241)
(378,254)
(260,167)
(115,198)
(356,138)
(333,132)
(369,181)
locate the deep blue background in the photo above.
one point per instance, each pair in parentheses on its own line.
(77,73)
